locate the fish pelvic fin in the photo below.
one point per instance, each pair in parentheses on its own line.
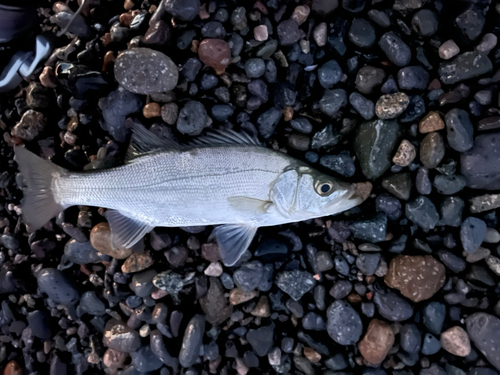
(233,241)
(39,204)
(125,231)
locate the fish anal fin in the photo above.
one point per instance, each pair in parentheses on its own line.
(247,204)
(233,241)
(125,231)
(144,141)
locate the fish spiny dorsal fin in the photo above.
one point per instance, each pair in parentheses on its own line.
(225,137)
(144,142)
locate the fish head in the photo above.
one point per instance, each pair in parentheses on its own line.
(303,193)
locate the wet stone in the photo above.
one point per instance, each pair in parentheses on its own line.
(377,342)
(30,126)
(267,122)
(332,101)
(248,276)
(192,341)
(329,74)
(261,339)
(405,154)
(145,71)
(433,316)
(288,32)
(422,212)
(169,113)
(362,33)
(389,205)
(185,10)
(395,49)
(137,262)
(416,277)
(193,118)
(449,185)
(472,233)
(398,185)
(392,306)
(373,230)
(456,341)
(413,78)
(465,66)
(344,325)
(451,209)
(415,109)
(341,164)
(57,286)
(295,283)
(142,283)
(432,150)
(368,79)
(459,130)
(362,105)
(425,22)
(169,281)
(216,53)
(120,337)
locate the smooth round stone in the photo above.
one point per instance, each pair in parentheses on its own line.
(377,342)
(288,32)
(118,336)
(248,276)
(101,240)
(344,325)
(144,360)
(185,10)
(430,345)
(410,338)
(255,67)
(57,286)
(193,118)
(395,49)
(80,252)
(169,113)
(362,33)
(142,283)
(313,322)
(448,49)
(392,306)
(432,150)
(459,130)
(216,53)
(213,29)
(329,74)
(301,124)
(381,18)
(222,112)
(413,78)
(192,341)
(472,233)
(368,79)
(362,105)
(332,101)
(425,22)
(146,71)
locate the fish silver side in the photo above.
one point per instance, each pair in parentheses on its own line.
(226,179)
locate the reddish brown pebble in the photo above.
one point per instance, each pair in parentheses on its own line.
(108,61)
(129,4)
(100,239)
(456,341)
(260,33)
(405,154)
(287,113)
(300,14)
(377,342)
(262,309)
(238,296)
(215,53)
(312,355)
(417,277)
(12,368)
(203,13)
(114,359)
(48,78)
(125,19)
(137,262)
(210,252)
(106,39)
(151,110)
(430,123)
(59,6)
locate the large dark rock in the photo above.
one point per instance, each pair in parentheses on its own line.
(484,332)
(480,165)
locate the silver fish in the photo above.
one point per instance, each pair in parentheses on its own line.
(223,178)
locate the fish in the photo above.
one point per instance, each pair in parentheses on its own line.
(225,178)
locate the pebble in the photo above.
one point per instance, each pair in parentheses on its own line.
(332,101)
(137,262)
(260,33)
(118,336)
(261,339)
(142,283)
(493,263)
(392,306)
(248,276)
(301,124)
(377,342)
(39,97)
(329,74)
(158,34)
(465,66)
(405,154)
(255,67)
(399,185)
(472,233)
(459,130)
(91,304)
(222,112)
(368,263)
(146,71)
(425,22)
(39,324)
(114,359)
(422,212)
(300,14)
(193,118)
(267,122)
(151,110)
(479,165)
(57,286)
(192,341)
(430,123)
(432,150)
(214,269)
(417,277)
(389,205)
(191,68)
(362,33)
(344,325)
(430,345)
(100,238)
(470,23)
(375,152)
(30,126)
(434,315)
(325,138)
(411,338)
(184,10)
(320,34)
(169,281)
(449,185)
(484,332)
(295,283)
(368,79)
(362,105)
(456,341)
(341,164)
(80,252)
(451,211)
(144,360)
(448,49)
(288,32)
(488,42)
(115,108)
(13,368)
(413,78)
(215,53)
(262,309)
(395,49)
(238,296)
(484,202)
(372,230)
(169,113)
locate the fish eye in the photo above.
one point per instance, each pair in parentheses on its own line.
(324,188)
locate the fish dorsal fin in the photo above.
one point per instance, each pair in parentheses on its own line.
(125,231)
(233,241)
(225,137)
(144,141)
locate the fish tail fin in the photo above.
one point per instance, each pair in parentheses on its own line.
(39,204)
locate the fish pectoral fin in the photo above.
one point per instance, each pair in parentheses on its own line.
(143,141)
(247,204)
(233,241)
(125,231)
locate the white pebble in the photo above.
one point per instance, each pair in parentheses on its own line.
(214,269)
(448,49)
(492,236)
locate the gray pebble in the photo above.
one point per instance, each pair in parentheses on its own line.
(472,233)
(267,122)
(459,130)
(295,283)
(341,164)
(192,341)
(395,49)
(344,325)
(248,276)
(193,118)
(433,316)
(255,68)
(261,339)
(465,66)
(451,209)
(332,101)
(392,306)
(422,212)
(329,74)
(413,78)
(57,286)
(362,105)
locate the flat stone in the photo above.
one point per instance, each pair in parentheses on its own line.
(238,296)
(422,212)
(465,66)
(261,339)
(146,71)
(295,283)
(456,341)
(377,342)
(480,164)
(192,341)
(484,332)
(372,230)
(399,185)
(430,123)
(215,304)
(374,146)
(417,277)
(472,233)
(392,306)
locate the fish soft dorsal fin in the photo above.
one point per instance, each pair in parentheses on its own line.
(144,141)
(233,241)
(225,137)
(125,231)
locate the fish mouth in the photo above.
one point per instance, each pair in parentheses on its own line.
(361,192)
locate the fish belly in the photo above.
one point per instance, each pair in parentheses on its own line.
(180,188)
